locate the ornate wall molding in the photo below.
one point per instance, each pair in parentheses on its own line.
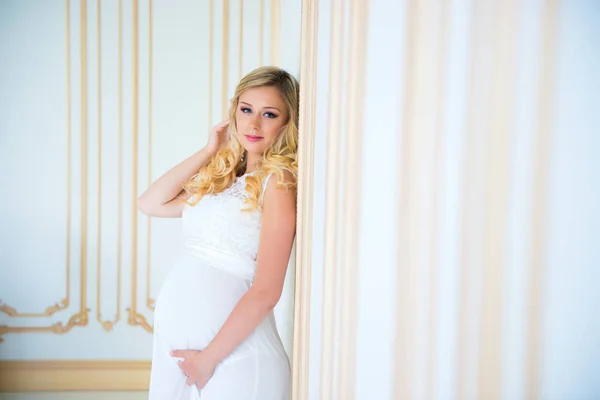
(108,325)
(134,317)
(80,318)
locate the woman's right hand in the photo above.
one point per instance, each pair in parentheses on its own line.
(218,137)
(162,198)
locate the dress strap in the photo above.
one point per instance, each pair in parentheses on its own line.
(264,186)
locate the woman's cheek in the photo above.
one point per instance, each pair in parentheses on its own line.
(274,127)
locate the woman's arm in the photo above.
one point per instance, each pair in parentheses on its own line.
(163,197)
(278,228)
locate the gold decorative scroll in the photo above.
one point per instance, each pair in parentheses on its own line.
(51,310)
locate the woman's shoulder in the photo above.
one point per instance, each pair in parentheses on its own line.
(282,177)
(279,201)
(279,186)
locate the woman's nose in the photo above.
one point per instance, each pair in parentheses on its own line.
(255,122)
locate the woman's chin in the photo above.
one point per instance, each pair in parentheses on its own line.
(255,147)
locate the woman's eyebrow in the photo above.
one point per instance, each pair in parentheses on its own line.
(250,105)
(274,108)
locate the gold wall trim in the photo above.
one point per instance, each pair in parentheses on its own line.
(149,301)
(352,198)
(120,168)
(275,31)
(69,149)
(134,317)
(20,376)
(49,311)
(84,170)
(225,55)
(541,168)
(210,62)
(261,29)
(108,325)
(308,93)
(241,38)
(330,265)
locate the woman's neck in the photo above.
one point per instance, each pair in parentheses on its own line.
(252,162)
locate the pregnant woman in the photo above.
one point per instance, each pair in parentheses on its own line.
(214,330)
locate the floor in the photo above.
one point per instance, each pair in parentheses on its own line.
(75,396)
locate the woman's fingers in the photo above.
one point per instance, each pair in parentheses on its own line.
(222,124)
(179,353)
(189,378)
(222,127)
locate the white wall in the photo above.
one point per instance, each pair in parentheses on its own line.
(453,227)
(167,108)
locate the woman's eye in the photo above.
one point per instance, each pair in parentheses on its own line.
(270,115)
(245,110)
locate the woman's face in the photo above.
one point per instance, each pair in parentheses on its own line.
(260,115)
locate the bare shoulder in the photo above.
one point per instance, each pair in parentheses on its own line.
(280,193)
(279,207)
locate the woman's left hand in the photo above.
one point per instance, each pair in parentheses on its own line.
(196,366)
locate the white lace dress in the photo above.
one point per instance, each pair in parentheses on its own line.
(215,270)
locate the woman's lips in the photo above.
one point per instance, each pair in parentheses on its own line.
(252,138)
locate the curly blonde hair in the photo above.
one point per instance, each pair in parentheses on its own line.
(228,164)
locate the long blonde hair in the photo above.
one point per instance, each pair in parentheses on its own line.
(225,167)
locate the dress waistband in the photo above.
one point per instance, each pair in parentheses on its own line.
(221,259)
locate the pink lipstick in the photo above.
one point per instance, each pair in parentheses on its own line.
(252,138)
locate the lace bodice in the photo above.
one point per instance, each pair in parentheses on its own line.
(217,229)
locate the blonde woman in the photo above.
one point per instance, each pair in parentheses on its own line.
(214,330)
